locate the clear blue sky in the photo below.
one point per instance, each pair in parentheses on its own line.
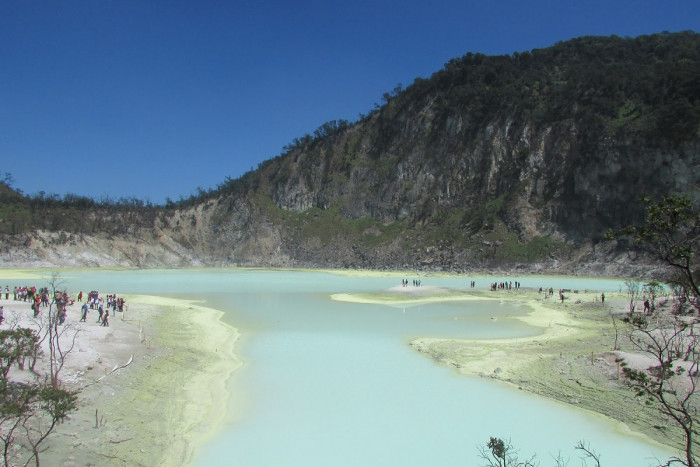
(154,99)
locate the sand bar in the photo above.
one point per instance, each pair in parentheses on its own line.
(400,295)
(481,356)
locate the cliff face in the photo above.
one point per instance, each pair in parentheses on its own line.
(512,179)
(548,181)
(518,161)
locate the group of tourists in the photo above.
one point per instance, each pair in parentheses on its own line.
(22,294)
(62,300)
(40,297)
(505,285)
(96,302)
(550,291)
(416,283)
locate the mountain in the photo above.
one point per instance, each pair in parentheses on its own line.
(515,161)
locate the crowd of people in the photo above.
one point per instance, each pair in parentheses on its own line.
(516,285)
(505,285)
(41,298)
(416,283)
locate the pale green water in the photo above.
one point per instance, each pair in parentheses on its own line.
(329,383)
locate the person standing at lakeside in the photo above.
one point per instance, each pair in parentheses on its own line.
(85,309)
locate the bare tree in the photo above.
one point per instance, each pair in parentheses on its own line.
(61,337)
(588,453)
(499,453)
(40,323)
(634,288)
(617,331)
(653,289)
(671,383)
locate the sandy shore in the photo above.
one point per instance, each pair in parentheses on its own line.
(164,397)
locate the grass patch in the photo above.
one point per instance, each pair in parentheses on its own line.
(537,249)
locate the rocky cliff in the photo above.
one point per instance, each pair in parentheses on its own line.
(519,161)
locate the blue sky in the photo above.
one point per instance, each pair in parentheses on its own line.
(153,99)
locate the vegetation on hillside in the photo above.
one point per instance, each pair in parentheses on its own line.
(69,212)
(592,90)
(646,86)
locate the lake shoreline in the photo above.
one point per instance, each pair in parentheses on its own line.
(199,363)
(570,361)
(176,401)
(145,415)
(152,386)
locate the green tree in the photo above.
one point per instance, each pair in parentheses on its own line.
(29,411)
(671,234)
(51,406)
(15,346)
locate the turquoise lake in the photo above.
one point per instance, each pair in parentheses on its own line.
(329,383)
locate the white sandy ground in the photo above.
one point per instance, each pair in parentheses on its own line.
(152,384)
